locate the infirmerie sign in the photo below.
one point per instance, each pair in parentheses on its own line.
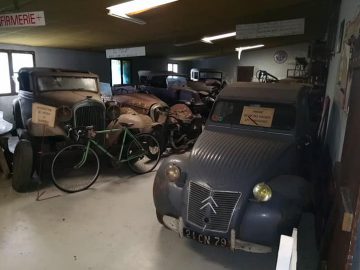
(24,19)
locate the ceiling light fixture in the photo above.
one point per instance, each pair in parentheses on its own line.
(241,49)
(125,10)
(222,36)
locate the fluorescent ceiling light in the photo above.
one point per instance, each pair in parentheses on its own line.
(211,39)
(125,10)
(241,49)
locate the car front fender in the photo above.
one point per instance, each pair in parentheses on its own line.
(168,196)
(264,222)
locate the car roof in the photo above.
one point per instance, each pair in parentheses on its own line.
(266,92)
(44,70)
(209,70)
(150,74)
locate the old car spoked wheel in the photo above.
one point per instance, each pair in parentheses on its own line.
(143,153)
(71,172)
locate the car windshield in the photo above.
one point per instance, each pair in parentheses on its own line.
(256,114)
(60,83)
(176,81)
(211,75)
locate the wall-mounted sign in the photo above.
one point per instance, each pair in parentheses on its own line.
(35,18)
(270,29)
(126,52)
(43,114)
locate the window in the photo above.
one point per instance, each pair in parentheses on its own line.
(5,84)
(10,64)
(173,68)
(120,72)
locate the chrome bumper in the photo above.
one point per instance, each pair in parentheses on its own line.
(177,225)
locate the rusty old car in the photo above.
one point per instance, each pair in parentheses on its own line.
(244,182)
(172,88)
(76,96)
(176,127)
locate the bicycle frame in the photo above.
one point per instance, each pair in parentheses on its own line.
(127,133)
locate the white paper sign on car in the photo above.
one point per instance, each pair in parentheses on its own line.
(257,116)
(43,114)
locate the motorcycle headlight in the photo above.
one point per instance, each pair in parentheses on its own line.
(172,173)
(262,192)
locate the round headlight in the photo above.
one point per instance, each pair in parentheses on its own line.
(172,173)
(262,192)
(63,114)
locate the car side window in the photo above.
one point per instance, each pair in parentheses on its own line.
(223,112)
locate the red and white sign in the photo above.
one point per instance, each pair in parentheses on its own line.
(33,18)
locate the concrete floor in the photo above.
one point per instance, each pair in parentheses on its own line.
(112,226)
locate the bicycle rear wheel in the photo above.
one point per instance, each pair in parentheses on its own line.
(72,171)
(143,153)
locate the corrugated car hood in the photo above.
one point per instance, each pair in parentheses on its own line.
(236,162)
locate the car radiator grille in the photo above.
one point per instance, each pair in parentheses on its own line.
(209,209)
(90,115)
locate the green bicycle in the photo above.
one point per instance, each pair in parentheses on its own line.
(77,166)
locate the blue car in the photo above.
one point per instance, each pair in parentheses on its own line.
(244,183)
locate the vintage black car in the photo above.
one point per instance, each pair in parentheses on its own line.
(243,184)
(172,88)
(77,99)
(205,74)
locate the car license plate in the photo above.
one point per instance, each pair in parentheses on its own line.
(206,239)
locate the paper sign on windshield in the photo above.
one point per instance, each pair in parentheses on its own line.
(257,116)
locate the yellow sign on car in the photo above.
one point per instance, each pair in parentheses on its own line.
(257,116)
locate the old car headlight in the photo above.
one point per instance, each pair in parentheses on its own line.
(262,192)
(172,173)
(63,114)
(158,113)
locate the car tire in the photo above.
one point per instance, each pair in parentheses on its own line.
(22,166)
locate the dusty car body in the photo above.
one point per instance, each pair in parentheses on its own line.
(145,112)
(208,82)
(172,89)
(242,184)
(204,75)
(77,99)
(42,85)
(176,127)
(144,104)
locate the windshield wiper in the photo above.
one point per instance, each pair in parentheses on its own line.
(252,120)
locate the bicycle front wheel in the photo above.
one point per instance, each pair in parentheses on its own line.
(75,169)
(143,153)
